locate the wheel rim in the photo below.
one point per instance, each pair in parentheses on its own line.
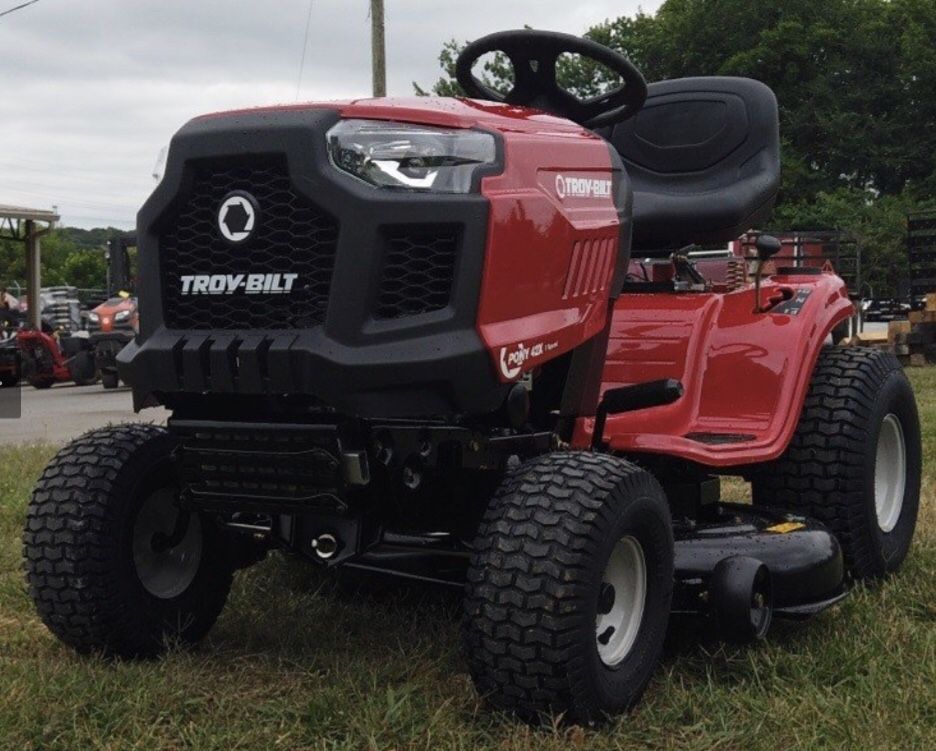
(621,601)
(165,571)
(890,473)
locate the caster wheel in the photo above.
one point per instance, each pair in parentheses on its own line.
(742,599)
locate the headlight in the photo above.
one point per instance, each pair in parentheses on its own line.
(94,317)
(410,157)
(123,315)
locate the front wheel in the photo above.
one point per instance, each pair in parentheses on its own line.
(855,460)
(114,563)
(569,588)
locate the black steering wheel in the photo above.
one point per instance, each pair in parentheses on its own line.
(533,55)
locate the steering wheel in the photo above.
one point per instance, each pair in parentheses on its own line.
(533,55)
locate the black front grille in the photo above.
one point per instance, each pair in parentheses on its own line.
(292,235)
(260,468)
(418,269)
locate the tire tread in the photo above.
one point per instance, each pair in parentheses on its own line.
(526,579)
(821,473)
(68,547)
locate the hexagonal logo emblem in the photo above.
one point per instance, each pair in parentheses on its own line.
(237,216)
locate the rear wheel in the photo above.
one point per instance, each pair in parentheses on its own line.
(569,587)
(855,460)
(114,563)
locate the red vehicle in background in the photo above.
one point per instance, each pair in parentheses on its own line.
(49,357)
(56,352)
(112,324)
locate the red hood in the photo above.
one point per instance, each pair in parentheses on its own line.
(442,111)
(110,309)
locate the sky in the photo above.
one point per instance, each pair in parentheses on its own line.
(92,90)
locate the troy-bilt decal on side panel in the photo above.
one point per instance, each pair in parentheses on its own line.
(572,186)
(515,357)
(231,284)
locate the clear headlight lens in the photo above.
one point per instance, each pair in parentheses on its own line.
(123,315)
(94,317)
(410,157)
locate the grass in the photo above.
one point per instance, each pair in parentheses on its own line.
(295,662)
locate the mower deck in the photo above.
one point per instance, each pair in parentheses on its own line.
(803,558)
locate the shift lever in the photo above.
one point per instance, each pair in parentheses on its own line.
(767,247)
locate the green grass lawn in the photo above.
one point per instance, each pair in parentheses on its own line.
(298,663)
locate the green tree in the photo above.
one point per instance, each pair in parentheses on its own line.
(877,223)
(70,256)
(86,269)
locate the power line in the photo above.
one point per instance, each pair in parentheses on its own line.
(305,46)
(18,7)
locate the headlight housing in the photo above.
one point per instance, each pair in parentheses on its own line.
(417,158)
(94,317)
(123,315)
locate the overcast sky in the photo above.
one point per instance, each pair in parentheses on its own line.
(92,90)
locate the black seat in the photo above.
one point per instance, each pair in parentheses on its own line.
(704,158)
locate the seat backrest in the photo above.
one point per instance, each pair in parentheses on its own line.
(704,159)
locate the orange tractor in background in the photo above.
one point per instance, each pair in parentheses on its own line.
(112,324)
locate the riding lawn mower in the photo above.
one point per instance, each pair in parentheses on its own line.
(407,336)
(51,356)
(112,324)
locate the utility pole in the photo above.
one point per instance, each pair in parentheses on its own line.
(378,48)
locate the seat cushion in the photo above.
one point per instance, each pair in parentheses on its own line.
(703,156)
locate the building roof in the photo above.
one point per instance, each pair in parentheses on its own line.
(20,212)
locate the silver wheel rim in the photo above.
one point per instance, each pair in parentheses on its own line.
(621,601)
(890,473)
(165,573)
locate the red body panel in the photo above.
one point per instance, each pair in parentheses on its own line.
(553,228)
(444,112)
(745,374)
(550,254)
(33,343)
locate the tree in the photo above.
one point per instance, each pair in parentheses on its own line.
(70,256)
(85,269)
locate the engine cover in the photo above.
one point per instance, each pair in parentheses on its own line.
(266,271)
